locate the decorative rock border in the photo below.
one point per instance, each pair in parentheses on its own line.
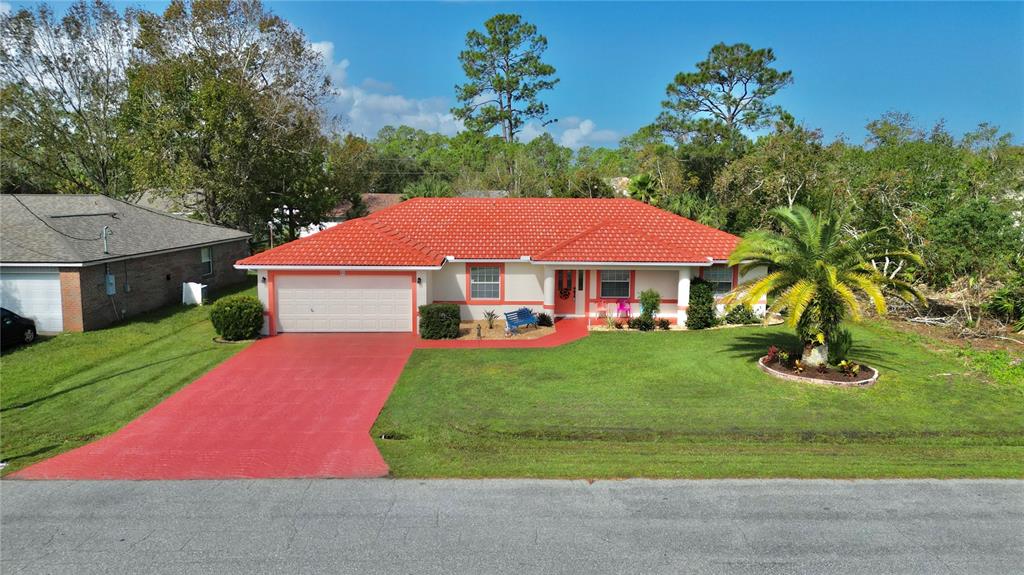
(799,378)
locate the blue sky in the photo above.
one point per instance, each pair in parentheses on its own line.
(851,62)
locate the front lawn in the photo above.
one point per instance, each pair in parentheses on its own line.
(68,390)
(693,404)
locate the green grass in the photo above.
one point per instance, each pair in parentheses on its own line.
(693,404)
(68,390)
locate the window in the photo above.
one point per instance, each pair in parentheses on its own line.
(720,278)
(206,258)
(484,282)
(614,283)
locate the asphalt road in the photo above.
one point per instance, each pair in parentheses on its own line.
(512,526)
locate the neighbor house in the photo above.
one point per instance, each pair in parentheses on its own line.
(81,262)
(568,257)
(373,202)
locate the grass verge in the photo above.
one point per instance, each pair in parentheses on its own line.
(73,388)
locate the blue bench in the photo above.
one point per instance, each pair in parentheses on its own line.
(520,318)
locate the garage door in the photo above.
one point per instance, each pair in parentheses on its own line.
(344,303)
(35,295)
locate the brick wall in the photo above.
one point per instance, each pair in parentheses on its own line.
(147,283)
(71,299)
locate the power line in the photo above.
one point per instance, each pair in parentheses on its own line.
(47,224)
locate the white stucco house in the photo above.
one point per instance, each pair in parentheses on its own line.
(567,257)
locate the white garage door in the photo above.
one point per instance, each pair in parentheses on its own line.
(344,303)
(33,294)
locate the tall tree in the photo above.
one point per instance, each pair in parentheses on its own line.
(729,91)
(225,114)
(506,76)
(62,82)
(786,167)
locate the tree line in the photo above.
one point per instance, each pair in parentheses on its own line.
(221,106)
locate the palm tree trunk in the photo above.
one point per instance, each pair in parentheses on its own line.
(814,355)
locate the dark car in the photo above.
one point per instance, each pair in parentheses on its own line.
(16,329)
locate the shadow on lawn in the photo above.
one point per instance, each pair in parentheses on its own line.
(33,453)
(754,345)
(32,402)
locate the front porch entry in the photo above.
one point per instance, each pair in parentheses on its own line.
(567,283)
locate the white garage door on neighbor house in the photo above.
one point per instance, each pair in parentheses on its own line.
(35,294)
(321,303)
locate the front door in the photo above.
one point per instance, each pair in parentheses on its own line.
(565,292)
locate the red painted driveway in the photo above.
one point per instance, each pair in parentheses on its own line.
(295,405)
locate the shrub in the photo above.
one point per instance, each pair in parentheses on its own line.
(701,311)
(1007,303)
(610,322)
(839,343)
(741,315)
(544,320)
(618,325)
(490,315)
(237,317)
(439,321)
(650,302)
(664,324)
(772,355)
(641,323)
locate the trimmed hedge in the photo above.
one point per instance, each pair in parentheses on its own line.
(439,321)
(237,317)
(701,311)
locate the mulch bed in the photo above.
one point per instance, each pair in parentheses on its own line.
(467,330)
(865,377)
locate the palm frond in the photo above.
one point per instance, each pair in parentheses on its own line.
(797,298)
(870,284)
(850,299)
(906,291)
(751,292)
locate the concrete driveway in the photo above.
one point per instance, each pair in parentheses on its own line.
(295,405)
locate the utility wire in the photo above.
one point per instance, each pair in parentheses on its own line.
(47,224)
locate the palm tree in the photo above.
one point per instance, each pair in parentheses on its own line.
(815,270)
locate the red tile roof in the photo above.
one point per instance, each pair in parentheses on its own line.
(422,231)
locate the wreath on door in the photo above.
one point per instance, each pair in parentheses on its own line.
(564,292)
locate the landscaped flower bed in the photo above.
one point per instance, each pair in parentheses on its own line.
(846,374)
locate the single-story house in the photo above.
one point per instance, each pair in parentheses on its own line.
(81,262)
(568,257)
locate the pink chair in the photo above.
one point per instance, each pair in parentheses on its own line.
(624,309)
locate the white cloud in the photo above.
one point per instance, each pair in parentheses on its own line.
(530,131)
(368,107)
(579,132)
(5,8)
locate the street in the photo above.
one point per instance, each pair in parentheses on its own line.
(512,526)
